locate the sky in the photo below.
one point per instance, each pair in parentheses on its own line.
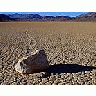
(71,14)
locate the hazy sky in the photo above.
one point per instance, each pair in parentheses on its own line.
(73,14)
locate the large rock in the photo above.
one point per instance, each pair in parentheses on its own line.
(34,63)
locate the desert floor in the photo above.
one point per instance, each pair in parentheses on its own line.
(69,46)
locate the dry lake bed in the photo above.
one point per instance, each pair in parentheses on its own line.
(70,49)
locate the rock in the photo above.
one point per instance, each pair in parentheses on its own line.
(1,78)
(0,66)
(34,63)
(0,74)
(40,75)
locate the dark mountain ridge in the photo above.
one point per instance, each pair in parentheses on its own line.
(33,17)
(91,16)
(4,17)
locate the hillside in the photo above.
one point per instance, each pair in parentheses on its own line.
(4,17)
(37,17)
(91,16)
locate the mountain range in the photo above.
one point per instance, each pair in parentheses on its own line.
(91,16)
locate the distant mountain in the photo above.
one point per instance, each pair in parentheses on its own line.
(4,17)
(36,17)
(62,16)
(23,16)
(91,16)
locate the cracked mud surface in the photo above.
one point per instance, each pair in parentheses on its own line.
(70,47)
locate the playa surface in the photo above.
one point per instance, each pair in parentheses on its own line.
(69,46)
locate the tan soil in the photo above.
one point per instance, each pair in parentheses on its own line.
(65,43)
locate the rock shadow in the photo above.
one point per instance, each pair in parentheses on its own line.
(67,68)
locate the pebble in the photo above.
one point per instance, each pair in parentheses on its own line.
(0,66)
(24,81)
(0,74)
(44,80)
(56,82)
(8,57)
(1,78)
(62,76)
(61,83)
(39,75)
(14,83)
(0,61)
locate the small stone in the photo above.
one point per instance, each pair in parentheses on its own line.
(38,75)
(0,74)
(24,81)
(56,82)
(44,80)
(60,83)
(1,78)
(14,83)
(0,61)
(34,63)
(8,58)
(0,66)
